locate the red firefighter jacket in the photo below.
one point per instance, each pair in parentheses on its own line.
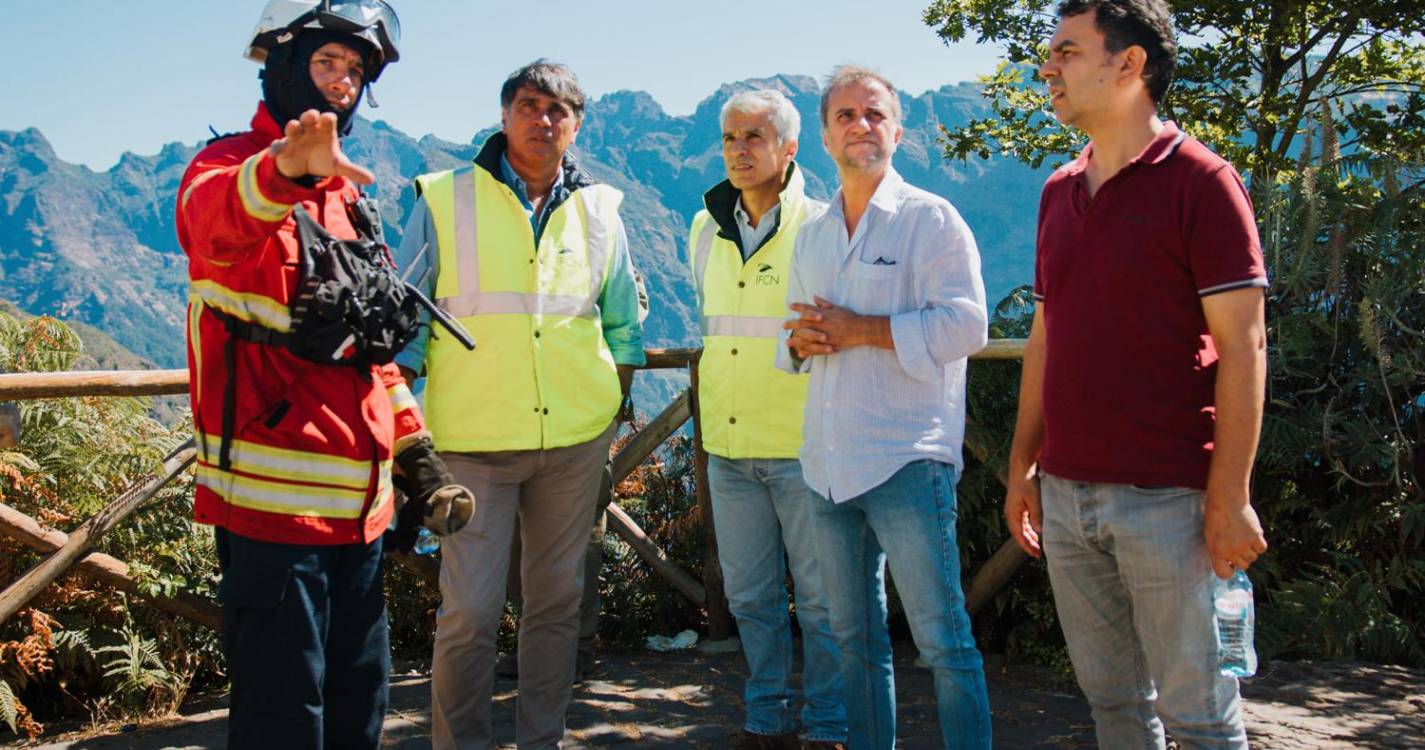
(310,455)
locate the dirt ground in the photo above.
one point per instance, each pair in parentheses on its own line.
(692,700)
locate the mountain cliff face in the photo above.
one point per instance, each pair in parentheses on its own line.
(101,248)
(98,248)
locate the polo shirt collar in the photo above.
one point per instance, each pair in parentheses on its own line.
(1163,145)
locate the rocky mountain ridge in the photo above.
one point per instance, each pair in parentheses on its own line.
(99,247)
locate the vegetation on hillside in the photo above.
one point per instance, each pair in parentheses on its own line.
(82,647)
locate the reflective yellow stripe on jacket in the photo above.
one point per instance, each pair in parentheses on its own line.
(542,375)
(750,409)
(291,482)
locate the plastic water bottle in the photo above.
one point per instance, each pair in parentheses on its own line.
(426,542)
(1236,621)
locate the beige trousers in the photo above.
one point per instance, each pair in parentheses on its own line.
(552,493)
(593,564)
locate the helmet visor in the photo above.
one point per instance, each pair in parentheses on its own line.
(365,15)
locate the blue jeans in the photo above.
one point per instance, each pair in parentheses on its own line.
(762,515)
(1133,587)
(908,521)
(305,635)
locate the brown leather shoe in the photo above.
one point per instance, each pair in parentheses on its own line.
(750,741)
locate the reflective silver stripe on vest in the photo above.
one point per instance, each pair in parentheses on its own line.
(517,303)
(466,259)
(700,259)
(597,242)
(745,326)
(471,301)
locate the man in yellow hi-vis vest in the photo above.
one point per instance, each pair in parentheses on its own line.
(528,252)
(740,248)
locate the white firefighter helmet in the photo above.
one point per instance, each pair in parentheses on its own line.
(371,20)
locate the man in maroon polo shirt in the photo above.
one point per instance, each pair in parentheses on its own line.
(1141,399)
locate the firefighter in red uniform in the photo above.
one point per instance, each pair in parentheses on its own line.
(296,454)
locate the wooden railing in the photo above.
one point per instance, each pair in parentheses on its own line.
(74,549)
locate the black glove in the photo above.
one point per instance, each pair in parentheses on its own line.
(433,499)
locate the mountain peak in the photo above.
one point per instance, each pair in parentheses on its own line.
(30,141)
(637,104)
(791,85)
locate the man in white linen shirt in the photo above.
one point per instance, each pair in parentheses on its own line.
(888,303)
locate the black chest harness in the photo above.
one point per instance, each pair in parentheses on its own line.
(350,308)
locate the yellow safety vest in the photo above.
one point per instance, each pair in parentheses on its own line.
(542,375)
(749,408)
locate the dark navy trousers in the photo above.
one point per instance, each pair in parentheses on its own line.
(305,635)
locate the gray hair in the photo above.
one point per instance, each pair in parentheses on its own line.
(548,78)
(845,75)
(785,117)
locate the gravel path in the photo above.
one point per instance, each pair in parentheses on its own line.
(692,700)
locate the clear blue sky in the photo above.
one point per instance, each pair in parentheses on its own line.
(100,77)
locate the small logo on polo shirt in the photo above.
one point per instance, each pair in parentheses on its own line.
(883,261)
(765,277)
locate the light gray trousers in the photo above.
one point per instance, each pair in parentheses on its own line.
(552,492)
(589,602)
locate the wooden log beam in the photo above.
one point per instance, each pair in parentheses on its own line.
(25,385)
(106,569)
(1001,349)
(994,575)
(720,622)
(636,450)
(634,453)
(997,571)
(628,530)
(82,539)
(425,567)
(663,359)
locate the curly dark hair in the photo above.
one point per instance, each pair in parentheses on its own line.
(1146,23)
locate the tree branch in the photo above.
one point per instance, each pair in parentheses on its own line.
(1308,86)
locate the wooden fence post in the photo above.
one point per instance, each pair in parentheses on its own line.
(719,616)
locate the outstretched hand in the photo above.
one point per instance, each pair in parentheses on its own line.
(310,146)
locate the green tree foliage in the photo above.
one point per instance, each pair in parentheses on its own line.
(1249,77)
(1322,107)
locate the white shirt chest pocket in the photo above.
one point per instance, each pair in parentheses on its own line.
(878,284)
(878,263)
